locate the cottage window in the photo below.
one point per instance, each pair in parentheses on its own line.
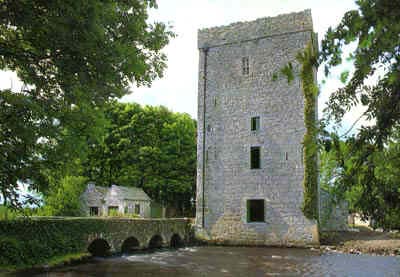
(255,157)
(137,209)
(113,210)
(94,211)
(245,66)
(255,123)
(255,210)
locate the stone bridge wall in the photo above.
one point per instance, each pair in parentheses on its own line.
(116,231)
(35,240)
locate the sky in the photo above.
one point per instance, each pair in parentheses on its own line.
(177,90)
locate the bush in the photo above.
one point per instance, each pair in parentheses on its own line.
(64,197)
(11,251)
(26,242)
(7,213)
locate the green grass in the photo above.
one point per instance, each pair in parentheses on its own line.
(67,259)
(52,262)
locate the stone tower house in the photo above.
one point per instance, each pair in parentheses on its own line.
(249,154)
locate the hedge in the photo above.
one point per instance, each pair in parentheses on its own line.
(29,242)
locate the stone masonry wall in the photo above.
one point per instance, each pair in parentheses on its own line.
(231,100)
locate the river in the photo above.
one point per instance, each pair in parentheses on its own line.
(233,261)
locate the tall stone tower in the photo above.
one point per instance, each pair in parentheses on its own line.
(251,125)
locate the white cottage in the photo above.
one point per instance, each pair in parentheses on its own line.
(114,200)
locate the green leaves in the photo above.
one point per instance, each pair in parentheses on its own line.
(287,71)
(366,176)
(344,76)
(73,57)
(375,28)
(310,92)
(63,198)
(148,147)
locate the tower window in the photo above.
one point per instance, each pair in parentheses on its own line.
(245,65)
(255,210)
(286,156)
(255,123)
(255,157)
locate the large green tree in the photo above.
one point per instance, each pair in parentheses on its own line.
(367,177)
(72,56)
(148,147)
(374,30)
(362,160)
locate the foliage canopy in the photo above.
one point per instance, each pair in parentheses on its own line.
(72,56)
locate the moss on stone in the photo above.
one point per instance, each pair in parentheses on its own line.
(308,61)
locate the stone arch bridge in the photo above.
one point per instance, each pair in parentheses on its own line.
(98,235)
(125,235)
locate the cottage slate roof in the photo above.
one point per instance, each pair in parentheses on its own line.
(128,193)
(131,193)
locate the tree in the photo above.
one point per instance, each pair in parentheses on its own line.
(367,177)
(63,197)
(375,29)
(148,147)
(72,56)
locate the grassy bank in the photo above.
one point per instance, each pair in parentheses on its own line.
(56,261)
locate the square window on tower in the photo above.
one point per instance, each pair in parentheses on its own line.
(255,157)
(256,210)
(255,123)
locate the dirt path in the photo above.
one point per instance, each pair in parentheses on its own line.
(364,241)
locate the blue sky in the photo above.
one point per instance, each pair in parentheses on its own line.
(177,90)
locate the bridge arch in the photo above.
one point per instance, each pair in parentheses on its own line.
(99,247)
(176,241)
(155,242)
(129,245)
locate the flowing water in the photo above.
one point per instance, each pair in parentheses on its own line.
(234,261)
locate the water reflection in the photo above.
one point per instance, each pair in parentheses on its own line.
(235,261)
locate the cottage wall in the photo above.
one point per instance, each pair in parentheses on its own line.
(103,198)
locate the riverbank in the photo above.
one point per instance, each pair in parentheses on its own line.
(54,262)
(361,241)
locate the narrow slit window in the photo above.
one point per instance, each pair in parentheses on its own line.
(255,210)
(255,123)
(286,156)
(245,65)
(255,157)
